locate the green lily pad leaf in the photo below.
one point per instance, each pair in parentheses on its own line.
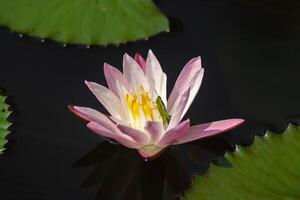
(89,22)
(4,123)
(268,170)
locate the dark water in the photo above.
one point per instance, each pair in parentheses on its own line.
(250,50)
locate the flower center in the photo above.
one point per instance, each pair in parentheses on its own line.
(141,108)
(143,104)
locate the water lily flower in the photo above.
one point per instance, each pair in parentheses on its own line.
(140,115)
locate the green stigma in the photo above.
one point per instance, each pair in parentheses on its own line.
(162,110)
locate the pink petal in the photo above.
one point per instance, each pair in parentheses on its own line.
(180,106)
(138,136)
(156,77)
(185,80)
(118,121)
(208,130)
(155,130)
(122,92)
(193,91)
(175,133)
(141,61)
(113,75)
(72,109)
(90,115)
(121,138)
(134,73)
(108,99)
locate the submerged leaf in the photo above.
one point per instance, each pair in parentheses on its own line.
(268,170)
(89,22)
(222,161)
(4,123)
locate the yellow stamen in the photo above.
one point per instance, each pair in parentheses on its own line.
(128,100)
(147,106)
(137,105)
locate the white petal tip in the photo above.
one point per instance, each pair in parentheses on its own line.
(126,56)
(238,121)
(106,65)
(150,52)
(71,107)
(227,124)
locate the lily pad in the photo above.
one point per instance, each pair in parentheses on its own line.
(4,123)
(89,22)
(268,170)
